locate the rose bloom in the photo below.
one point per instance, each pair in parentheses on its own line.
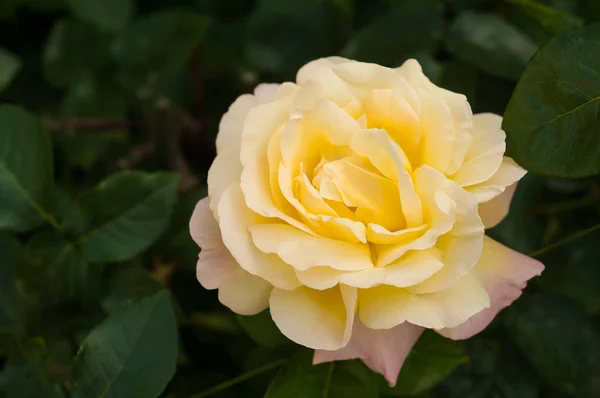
(353,204)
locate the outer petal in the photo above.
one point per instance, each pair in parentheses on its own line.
(263,120)
(266,92)
(235,218)
(384,351)
(225,171)
(508,173)
(232,123)
(461,121)
(495,210)
(461,247)
(504,273)
(313,68)
(215,263)
(243,293)
(319,319)
(384,307)
(485,154)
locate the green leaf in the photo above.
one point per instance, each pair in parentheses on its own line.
(156,45)
(26,175)
(10,65)
(262,329)
(109,15)
(299,378)
(490,43)
(514,379)
(131,209)
(89,99)
(408,29)
(128,284)
(28,380)
(69,214)
(57,271)
(547,17)
(558,340)
(430,361)
(73,52)
(551,121)
(131,354)
(493,370)
(306,30)
(12,299)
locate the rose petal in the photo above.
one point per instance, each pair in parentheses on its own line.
(504,273)
(384,351)
(461,246)
(495,210)
(313,68)
(258,196)
(216,269)
(245,294)
(486,152)
(439,209)
(232,123)
(383,307)
(235,218)
(319,319)
(508,173)
(412,268)
(266,92)
(215,263)
(303,251)
(460,123)
(262,121)
(223,173)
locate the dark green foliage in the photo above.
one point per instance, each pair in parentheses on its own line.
(108,115)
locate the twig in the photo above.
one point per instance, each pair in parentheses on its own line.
(88,124)
(175,158)
(564,241)
(243,377)
(136,155)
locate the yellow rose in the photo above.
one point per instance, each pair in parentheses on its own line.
(353,204)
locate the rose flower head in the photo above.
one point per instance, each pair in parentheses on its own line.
(353,204)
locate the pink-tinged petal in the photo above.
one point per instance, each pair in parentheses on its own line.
(495,210)
(240,291)
(382,350)
(215,263)
(504,274)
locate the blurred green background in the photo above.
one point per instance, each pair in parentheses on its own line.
(115,85)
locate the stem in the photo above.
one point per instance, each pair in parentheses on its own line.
(564,241)
(236,380)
